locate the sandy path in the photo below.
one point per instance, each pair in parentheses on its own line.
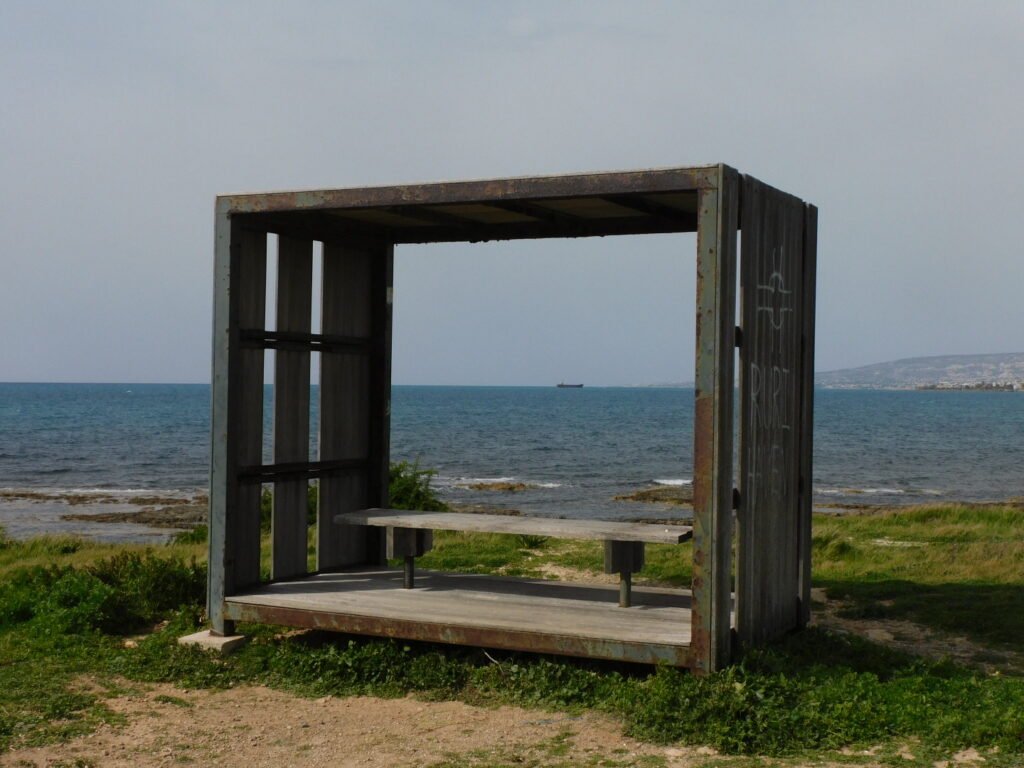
(254,727)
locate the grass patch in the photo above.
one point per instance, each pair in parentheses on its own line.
(955,568)
(65,606)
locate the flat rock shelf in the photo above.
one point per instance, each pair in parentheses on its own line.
(484,611)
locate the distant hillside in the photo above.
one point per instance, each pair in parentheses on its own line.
(952,371)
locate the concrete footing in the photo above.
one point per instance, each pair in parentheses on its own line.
(211,642)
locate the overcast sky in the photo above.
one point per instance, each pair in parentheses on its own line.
(120,122)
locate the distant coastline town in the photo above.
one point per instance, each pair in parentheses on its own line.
(1002,372)
(980,386)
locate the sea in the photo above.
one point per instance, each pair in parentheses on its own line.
(574,449)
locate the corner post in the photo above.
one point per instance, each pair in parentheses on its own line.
(717,221)
(236,423)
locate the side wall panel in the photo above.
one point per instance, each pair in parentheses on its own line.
(771,414)
(240,270)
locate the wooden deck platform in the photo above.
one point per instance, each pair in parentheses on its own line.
(485,611)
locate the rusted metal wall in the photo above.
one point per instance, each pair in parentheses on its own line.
(776,355)
(713,423)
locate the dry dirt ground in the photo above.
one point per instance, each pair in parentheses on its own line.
(251,727)
(254,727)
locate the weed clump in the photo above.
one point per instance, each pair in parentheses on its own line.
(409,488)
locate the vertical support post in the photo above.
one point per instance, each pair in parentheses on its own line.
(237,413)
(625,589)
(291,407)
(379,473)
(355,397)
(806,434)
(713,423)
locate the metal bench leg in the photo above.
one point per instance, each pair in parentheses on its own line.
(410,572)
(625,589)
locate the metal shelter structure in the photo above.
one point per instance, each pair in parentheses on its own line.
(763,505)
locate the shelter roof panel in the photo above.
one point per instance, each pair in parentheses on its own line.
(576,205)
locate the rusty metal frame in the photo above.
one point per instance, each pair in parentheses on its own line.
(522,188)
(713,424)
(531,207)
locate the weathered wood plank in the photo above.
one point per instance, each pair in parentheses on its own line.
(468,600)
(345,384)
(713,423)
(291,406)
(589,530)
(489,611)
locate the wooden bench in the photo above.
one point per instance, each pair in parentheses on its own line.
(410,534)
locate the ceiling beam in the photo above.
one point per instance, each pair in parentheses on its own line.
(540,212)
(652,208)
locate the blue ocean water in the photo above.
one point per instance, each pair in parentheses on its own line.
(579,446)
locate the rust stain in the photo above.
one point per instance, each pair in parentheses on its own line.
(700,642)
(704,435)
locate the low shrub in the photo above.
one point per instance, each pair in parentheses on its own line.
(114,595)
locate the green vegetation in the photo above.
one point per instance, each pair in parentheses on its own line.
(66,607)
(959,569)
(409,488)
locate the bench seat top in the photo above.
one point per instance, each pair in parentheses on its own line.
(595,530)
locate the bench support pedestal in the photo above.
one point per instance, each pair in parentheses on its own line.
(408,544)
(623,558)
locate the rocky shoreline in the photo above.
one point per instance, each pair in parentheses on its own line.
(152,515)
(185,512)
